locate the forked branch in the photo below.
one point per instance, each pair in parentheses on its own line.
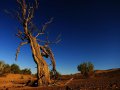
(51,55)
(23,7)
(31,9)
(19,34)
(44,27)
(18,49)
(56,41)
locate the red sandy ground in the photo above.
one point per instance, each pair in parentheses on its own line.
(102,80)
(14,80)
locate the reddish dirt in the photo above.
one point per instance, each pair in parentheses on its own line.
(102,80)
(14,80)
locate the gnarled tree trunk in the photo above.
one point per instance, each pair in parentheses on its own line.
(42,67)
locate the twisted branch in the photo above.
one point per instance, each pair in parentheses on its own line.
(18,49)
(48,52)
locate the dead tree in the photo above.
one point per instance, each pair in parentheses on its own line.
(25,16)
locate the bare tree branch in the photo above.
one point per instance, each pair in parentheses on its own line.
(15,15)
(24,7)
(19,18)
(21,35)
(44,27)
(36,4)
(30,13)
(48,52)
(31,9)
(33,28)
(56,41)
(41,41)
(44,50)
(51,55)
(18,49)
(19,1)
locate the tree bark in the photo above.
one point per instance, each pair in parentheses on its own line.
(43,72)
(26,16)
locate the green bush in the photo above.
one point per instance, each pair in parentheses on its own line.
(15,69)
(7,68)
(26,71)
(86,69)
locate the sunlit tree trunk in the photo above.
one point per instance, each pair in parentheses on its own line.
(43,73)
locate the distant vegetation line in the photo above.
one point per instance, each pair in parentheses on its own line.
(14,69)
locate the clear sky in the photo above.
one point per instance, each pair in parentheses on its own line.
(90,31)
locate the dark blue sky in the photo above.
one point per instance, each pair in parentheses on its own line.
(90,31)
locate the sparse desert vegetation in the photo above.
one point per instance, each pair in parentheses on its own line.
(102,80)
(87,36)
(13,69)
